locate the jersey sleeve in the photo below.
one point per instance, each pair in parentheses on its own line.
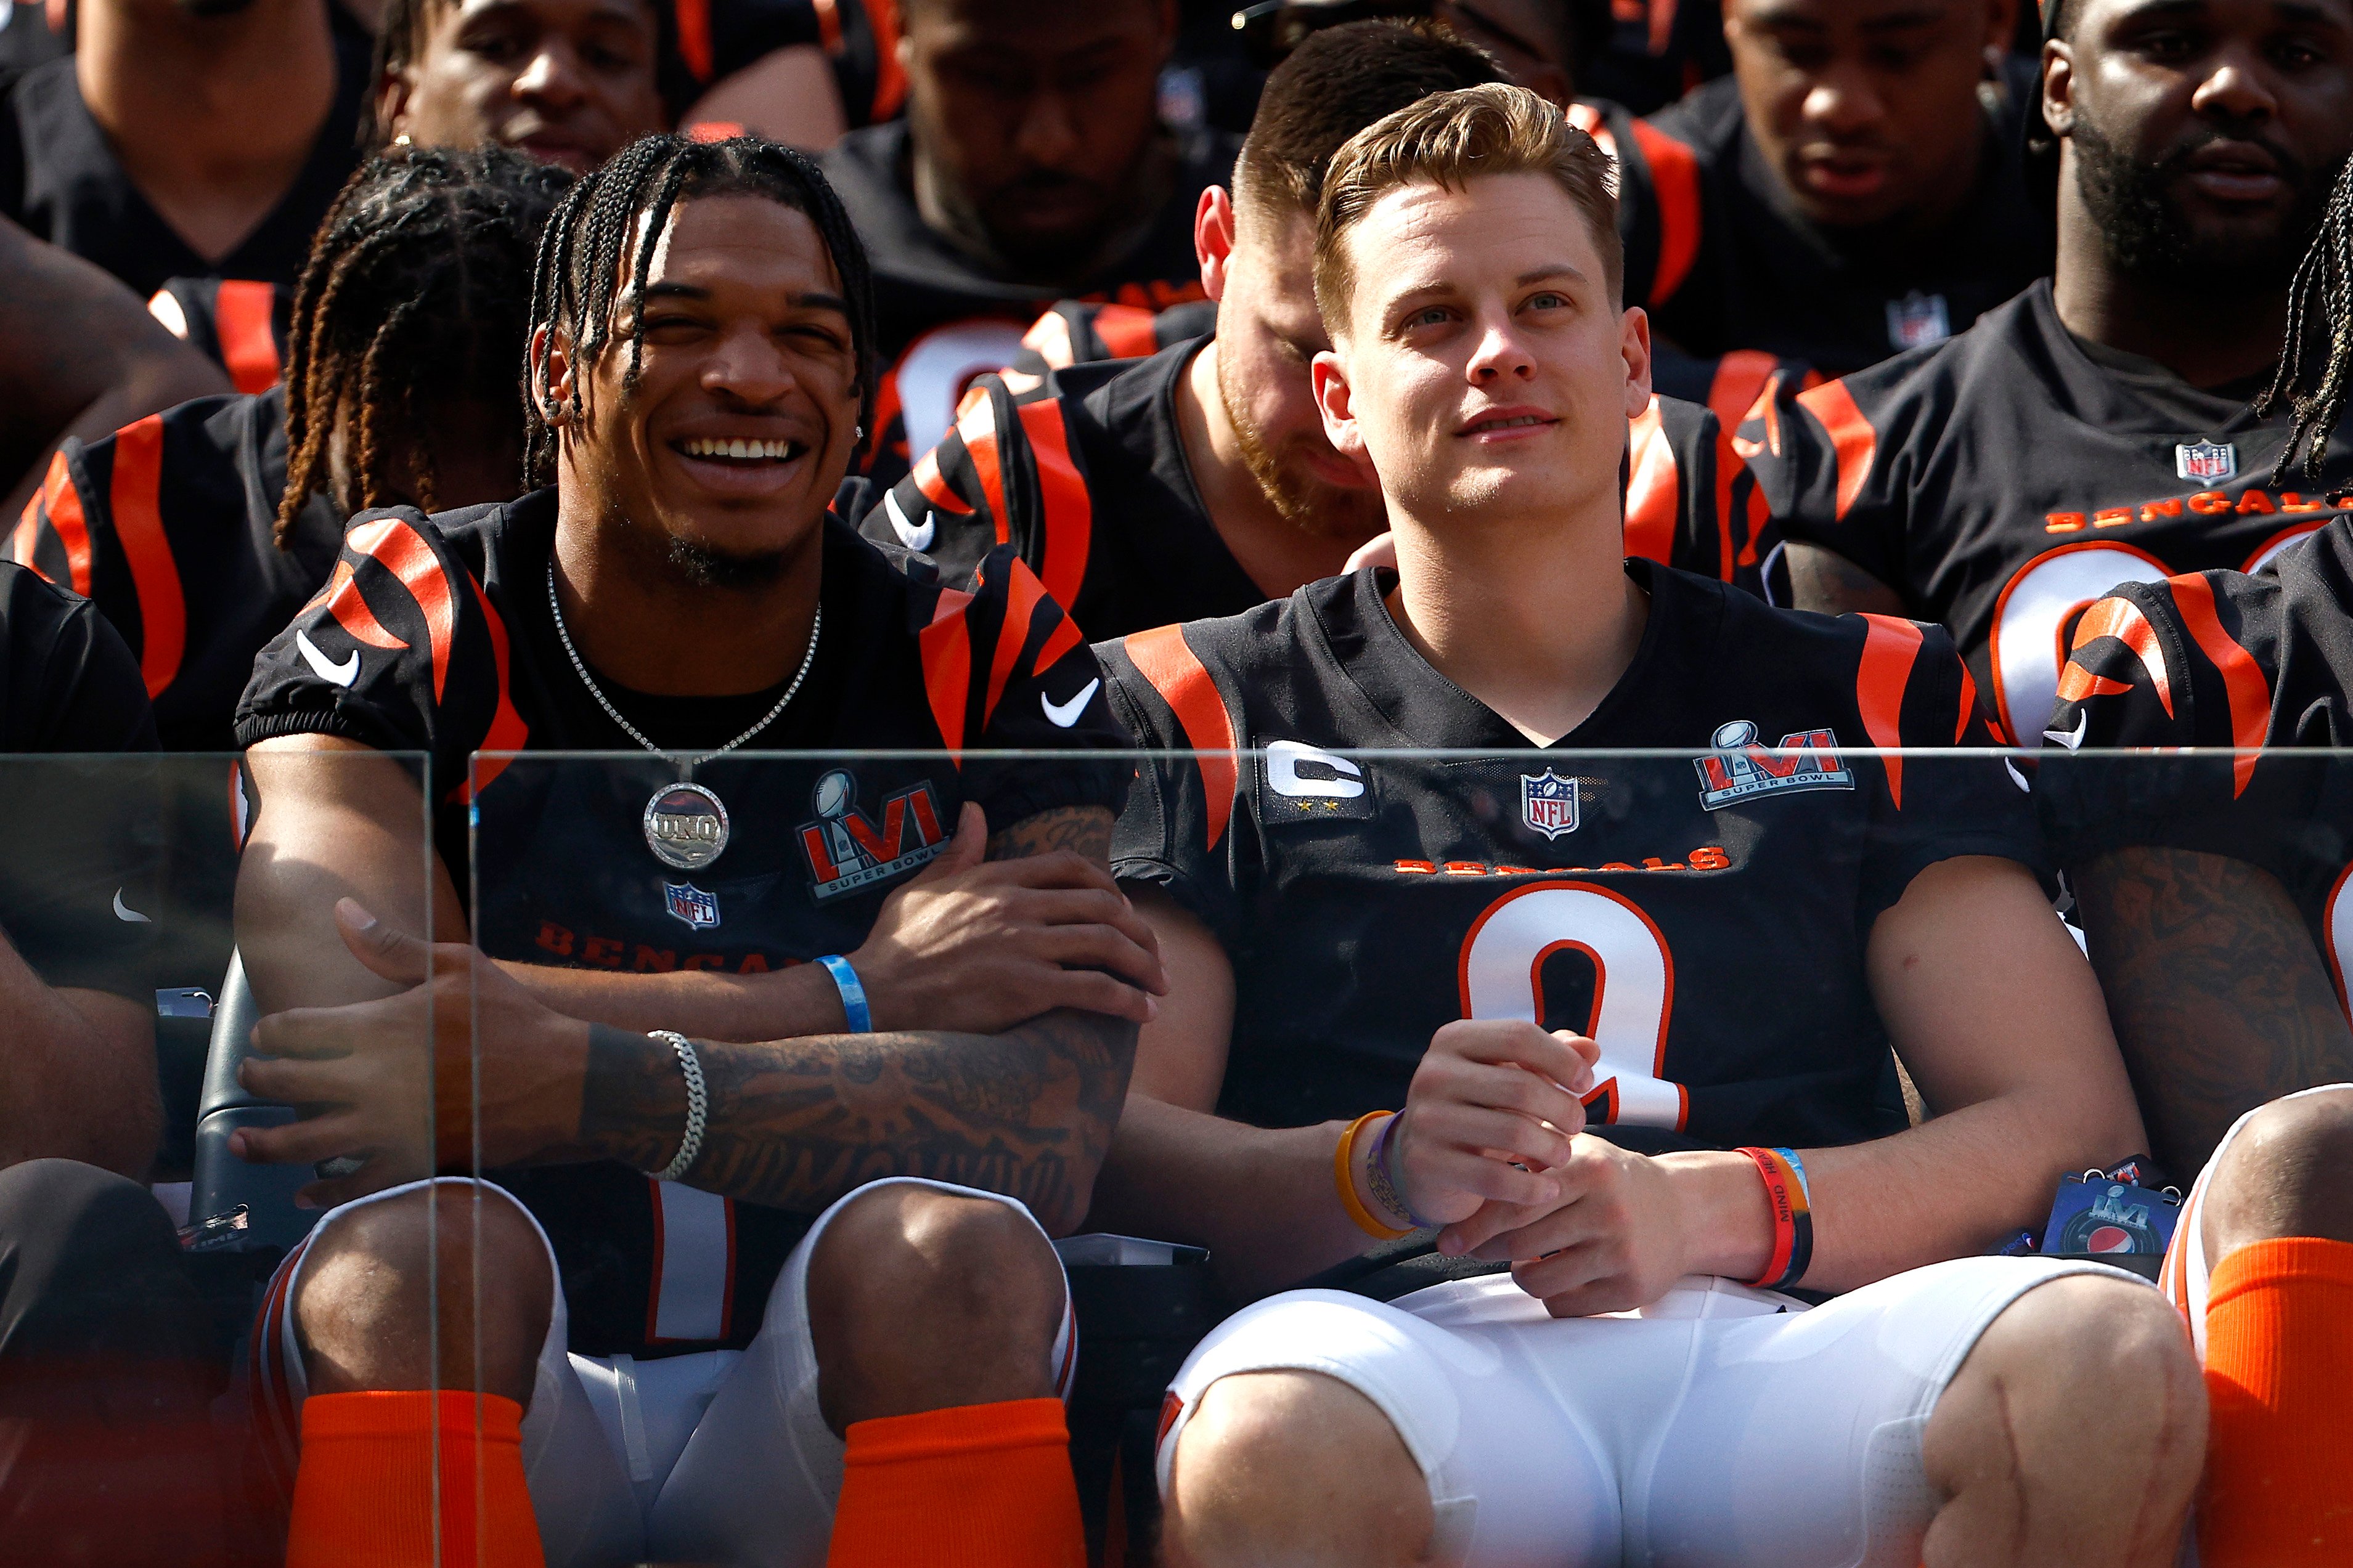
(1006,670)
(80,875)
(1829,460)
(1179,829)
(1912,691)
(1690,503)
(1008,475)
(398,651)
(2158,666)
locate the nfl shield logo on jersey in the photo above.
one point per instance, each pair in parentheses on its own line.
(1917,320)
(1548,804)
(692,904)
(2207,461)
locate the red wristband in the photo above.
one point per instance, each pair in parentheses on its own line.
(1793,1221)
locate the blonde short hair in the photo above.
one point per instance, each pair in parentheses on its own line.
(1450,139)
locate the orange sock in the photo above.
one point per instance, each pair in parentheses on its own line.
(365,1497)
(981,1486)
(2279,1371)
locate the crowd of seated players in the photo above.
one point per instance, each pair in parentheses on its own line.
(864,1114)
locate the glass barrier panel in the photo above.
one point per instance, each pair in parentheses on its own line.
(200,1057)
(1795,1017)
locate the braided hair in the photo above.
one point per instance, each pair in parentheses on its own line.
(577,289)
(2319,333)
(417,292)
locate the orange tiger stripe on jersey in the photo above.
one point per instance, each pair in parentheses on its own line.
(1968,705)
(1654,486)
(507,732)
(1587,119)
(1890,649)
(1739,376)
(2242,679)
(1675,181)
(1729,468)
(1022,596)
(977,426)
(397,547)
(61,504)
(936,489)
(694,18)
(135,494)
(1163,657)
(2120,619)
(241,311)
(1127,330)
(946,646)
(1062,497)
(1854,440)
(1049,338)
(889,76)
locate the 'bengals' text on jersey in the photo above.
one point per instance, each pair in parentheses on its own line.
(2002,482)
(1704,919)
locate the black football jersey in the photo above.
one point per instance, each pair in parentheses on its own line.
(1078,331)
(169,525)
(717,38)
(81,868)
(2003,480)
(942,320)
(1083,471)
(60,179)
(1704,919)
(2227,660)
(1751,272)
(435,635)
(239,323)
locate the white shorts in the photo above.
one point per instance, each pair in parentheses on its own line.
(711,1456)
(1720,1427)
(2188,1275)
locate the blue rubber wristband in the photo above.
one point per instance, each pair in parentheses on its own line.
(1805,1183)
(853,994)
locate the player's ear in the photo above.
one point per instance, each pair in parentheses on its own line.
(1634,347)
(1213,240)
(1329,378)
(551,376)
(393,92)
(2059,87)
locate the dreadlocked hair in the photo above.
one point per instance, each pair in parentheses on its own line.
(599,233)
(2319,331)
(417,294)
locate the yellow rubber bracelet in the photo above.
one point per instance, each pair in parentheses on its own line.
(1343,1176)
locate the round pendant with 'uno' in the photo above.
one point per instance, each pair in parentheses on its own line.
(686,826)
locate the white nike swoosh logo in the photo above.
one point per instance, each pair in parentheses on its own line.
(124,911)
(910,535)
(2071,739)
(1067,714)
(342,674)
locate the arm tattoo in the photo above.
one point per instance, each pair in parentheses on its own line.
(1821,579)
(2219,997)
(796,1123)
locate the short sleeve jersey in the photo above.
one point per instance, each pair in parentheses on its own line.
(60,179)
(239,323)
(169,525)
(1743,269)
(2231,662)
(942,319)
(80,871)
(1083,471)
(1705,920)
(717,38)
(2001,481)
(435,635)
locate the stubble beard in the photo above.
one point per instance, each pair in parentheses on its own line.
(2146,233)
(1313,506)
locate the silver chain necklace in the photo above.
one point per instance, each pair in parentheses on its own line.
(685,823)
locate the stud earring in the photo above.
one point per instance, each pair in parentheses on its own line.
(861,433)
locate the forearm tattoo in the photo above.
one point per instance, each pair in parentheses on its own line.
(2217,995)
(797,1124)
